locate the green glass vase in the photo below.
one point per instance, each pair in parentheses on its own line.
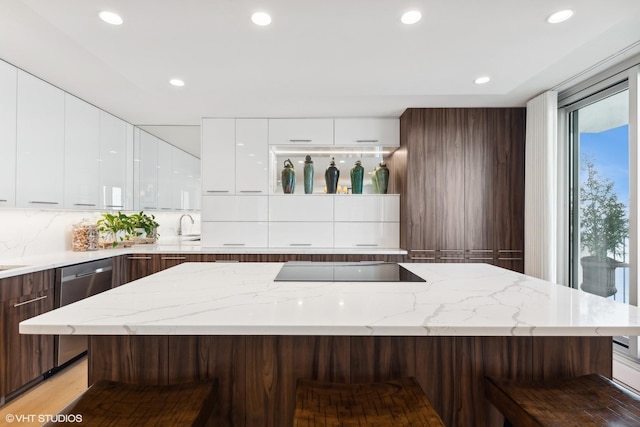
(380,178)
(357,176)
(308,175)
(288,177)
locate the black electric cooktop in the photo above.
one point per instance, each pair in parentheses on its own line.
(297,271)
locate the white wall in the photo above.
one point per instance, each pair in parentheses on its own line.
(39,232)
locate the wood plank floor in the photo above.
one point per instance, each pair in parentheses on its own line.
(48,397)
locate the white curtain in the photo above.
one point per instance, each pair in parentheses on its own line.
(541,186)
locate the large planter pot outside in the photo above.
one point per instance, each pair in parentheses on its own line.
(599,275)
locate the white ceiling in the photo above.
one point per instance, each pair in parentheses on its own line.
(318,58)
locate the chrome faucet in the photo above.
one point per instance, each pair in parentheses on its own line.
(180,223)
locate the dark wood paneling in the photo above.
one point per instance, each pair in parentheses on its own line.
(26,357)
(375,359)
(219,357)
(435,371)
(129,358)
(274,365)
(572,356)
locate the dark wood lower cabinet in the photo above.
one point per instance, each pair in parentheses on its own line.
(24,358)
(257,374)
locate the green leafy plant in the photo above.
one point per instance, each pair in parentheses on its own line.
(604,226)
(146,222)
(114,227)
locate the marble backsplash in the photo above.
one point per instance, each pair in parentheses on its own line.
(26,232)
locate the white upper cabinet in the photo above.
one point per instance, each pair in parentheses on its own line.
(185,190)
(252,155)
(113,162)
(81,153)
(301,132)
(368,208)
(218,151)
(367,131)
(147,161)
(167,181)
(40,143)
(8,89)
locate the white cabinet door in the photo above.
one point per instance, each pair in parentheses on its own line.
(113,162)
(235,208)
(192,201)
(301,235)
(130,166)
(82,154)
(371,131)
(301,132)
(287,207)
(252,153)
(167,185)
(8,89)
(363,235)
(147,171)
(218,151)
(368,207)
(40,147)
(234,234)
(183,178)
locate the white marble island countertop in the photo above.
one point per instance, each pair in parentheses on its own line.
(243,299)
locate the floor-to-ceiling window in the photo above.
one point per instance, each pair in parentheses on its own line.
(599,146)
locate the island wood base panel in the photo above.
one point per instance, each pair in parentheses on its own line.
(257,374)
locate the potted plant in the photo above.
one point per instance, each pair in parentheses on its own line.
(145,226)
(115,229)
(604,228)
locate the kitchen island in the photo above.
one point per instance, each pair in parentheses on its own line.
(233,322)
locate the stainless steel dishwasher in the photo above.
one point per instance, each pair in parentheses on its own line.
(74,283)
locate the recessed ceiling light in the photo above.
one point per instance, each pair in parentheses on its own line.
(110,17)
(411,17)
(261,18)
(176,82)
(560,16)
(482,80)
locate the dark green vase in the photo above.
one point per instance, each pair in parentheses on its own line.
(308,175)
(380,178)
(288,177)
(331,176)
(357,175)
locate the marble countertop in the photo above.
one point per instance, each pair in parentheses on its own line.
(30,264)
(243,299)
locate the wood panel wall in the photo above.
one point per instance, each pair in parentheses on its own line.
(258,374)
(460,176)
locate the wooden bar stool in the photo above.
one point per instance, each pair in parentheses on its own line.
(392,403)
(589,400)
(113,403)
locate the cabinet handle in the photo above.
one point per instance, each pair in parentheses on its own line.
(509,251)
(166,209)
(3,200)
(452,257)
(299,244)
(479,258)
(251,191)
(233,244)
(451,250)
(84,204)
(423,250)
(366,244)
(174,257)
(150,207)
(217,191)
(117,206)
(480,251)
(139,257)
(30,301)
(509,259)
(423,257)
(367,140)
(300,140)
(38,202)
